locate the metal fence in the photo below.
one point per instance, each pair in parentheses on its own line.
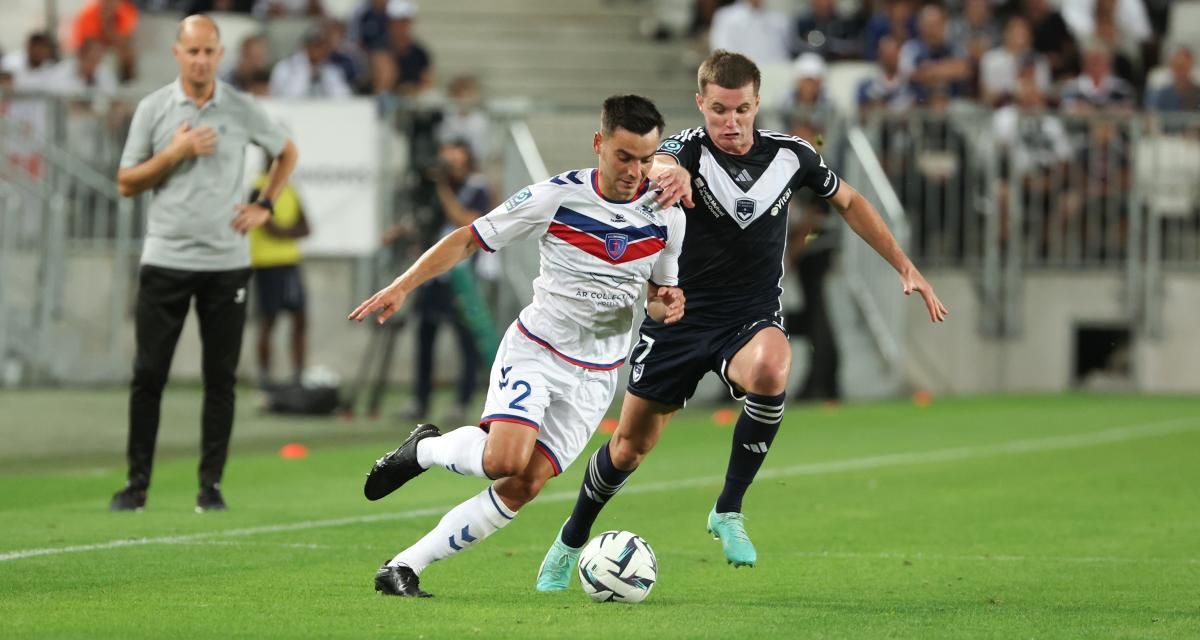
(69,244)
(1007,191)
(1066,192)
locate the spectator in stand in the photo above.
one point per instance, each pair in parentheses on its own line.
(889,90)
(824,32)
(342,53)
(308,72)
(1182,94)
(111,23)
(931,61)
(369,25)
(254,57)
(1124,46)
(217,6)
(999,67)
(414,67)
(381,74)
(975,31)
(463,119)
(1097,88)
(935,191)
(280,8)
(747,28)
(83,74)
(1081,18)
(27,67)
(702,15)
(897,20)
(807,101)
(1035,149)
(259,84)
(1052,38)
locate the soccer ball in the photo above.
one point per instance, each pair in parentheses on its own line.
(617,566)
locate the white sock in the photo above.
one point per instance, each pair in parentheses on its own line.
(460,451)
(464,526)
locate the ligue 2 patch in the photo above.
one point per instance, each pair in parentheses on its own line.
(518,198)
(671,146)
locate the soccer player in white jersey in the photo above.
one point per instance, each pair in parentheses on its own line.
(602,235)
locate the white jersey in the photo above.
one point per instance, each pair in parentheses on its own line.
(596,256)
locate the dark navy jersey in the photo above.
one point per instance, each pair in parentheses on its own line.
(733,251)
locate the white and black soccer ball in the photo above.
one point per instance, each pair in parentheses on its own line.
(617,566)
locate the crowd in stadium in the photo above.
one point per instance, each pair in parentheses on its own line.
(1040,70)
(1082,55)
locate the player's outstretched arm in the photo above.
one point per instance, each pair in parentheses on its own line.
(674,181)
(664,304)
(452,249)
(862,217)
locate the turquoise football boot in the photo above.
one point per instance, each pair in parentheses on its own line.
(730,529)
(557,567)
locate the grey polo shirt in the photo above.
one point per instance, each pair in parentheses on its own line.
(192,208)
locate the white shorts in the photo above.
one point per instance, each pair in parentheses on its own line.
(564,402)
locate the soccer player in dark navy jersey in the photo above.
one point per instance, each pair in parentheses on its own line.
(735,183)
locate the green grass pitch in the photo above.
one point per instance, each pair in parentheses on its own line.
(1016,517)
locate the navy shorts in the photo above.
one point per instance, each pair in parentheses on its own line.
(669,361)
(278,289)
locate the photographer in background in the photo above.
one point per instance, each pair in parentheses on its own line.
(462,195)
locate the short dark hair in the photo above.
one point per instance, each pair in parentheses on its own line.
(632,113)
(40,38)
(728,70)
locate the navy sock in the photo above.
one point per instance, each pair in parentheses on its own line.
(601,481)
(752,436)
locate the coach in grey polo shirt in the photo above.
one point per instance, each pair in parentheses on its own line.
(186,146)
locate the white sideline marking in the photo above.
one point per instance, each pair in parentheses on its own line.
(916,556)
(1033,445)
(999,557)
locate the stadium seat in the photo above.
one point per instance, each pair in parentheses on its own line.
(284,35)
(234,27)
(1166,173)
(841,84)
(1184,24)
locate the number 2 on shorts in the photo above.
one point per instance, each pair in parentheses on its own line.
(516,403)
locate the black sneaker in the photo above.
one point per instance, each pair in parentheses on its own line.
(398,467)
(210,499)
(399,581)
(128,499)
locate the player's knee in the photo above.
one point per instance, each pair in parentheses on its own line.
(769,377)
(518,491)
(502,464)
